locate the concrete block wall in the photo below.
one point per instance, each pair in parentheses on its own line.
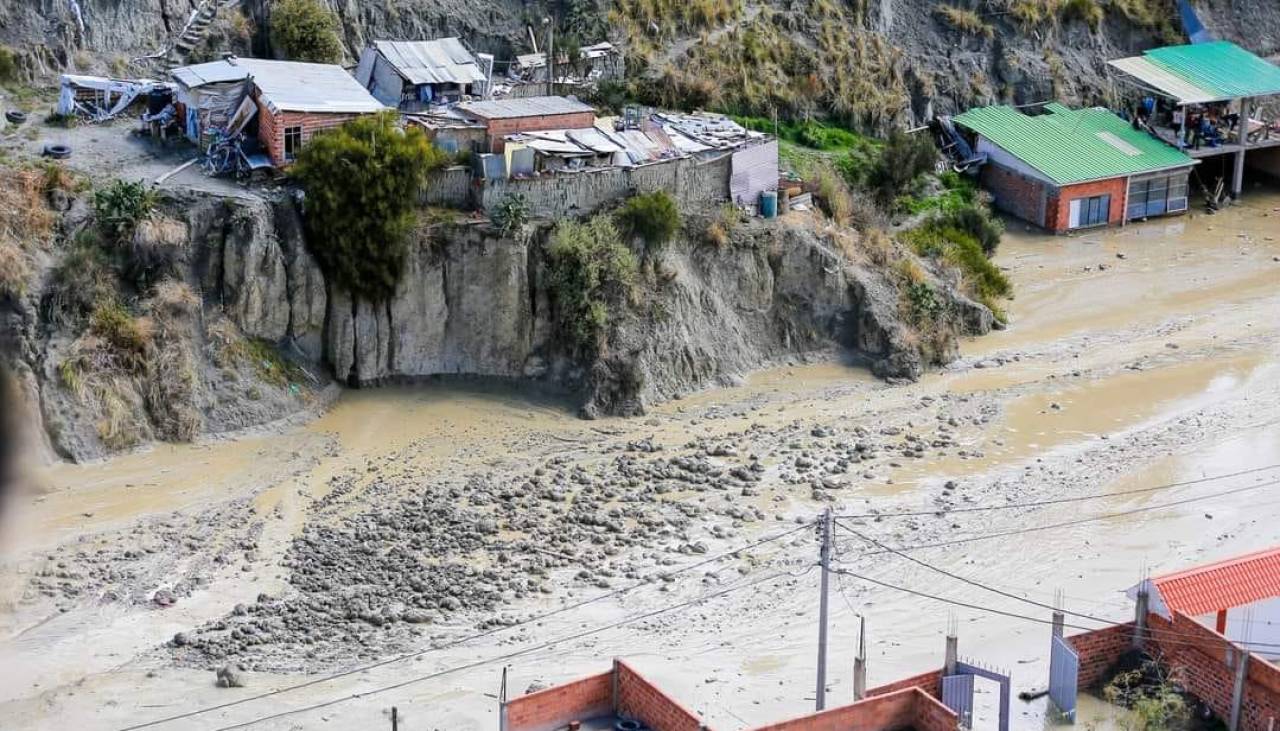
(694,183)
(638,698)
(553,708)
(450,187)
(1099,650)
(1015,193)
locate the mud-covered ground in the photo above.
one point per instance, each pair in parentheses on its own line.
(409,518)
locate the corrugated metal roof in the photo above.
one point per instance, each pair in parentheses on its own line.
(308,87)
(534,106)
(442,61)
(1157,77)
(214,72)
(1222,585)
(1072,146)
(1221,69)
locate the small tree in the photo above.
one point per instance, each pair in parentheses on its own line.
(306,30)
(589,268)
(651,216)
(902,159)
(362,182)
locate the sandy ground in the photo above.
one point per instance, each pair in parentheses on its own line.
(1162,365)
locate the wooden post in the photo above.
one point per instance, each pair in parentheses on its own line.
(1221,624)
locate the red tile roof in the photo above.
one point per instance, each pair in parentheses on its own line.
(1230,583)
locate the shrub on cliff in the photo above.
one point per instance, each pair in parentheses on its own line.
(121,206)
(306,30)
(589,268)
(651,216)
(902,160)
(362,184)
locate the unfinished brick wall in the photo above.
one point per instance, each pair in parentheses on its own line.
(1205,662)
(930,683)
(1015,193)
(1058,210)
(500,128)
(638,698)
(271,127)
(1099,650)
(553,708)
(909,707)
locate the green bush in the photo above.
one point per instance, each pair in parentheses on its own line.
(937,239)
(113,323)
(121,206)
(589,268)
(510,215)
(362,184)
(8,65)
(977,222)
(902,160)
(651,216)
(306,30)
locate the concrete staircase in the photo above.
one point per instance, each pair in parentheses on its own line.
(195,31)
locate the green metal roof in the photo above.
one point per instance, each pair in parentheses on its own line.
(1203,72)
(1073,145)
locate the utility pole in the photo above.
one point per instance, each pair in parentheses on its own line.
(822,610)
(551,56)
(860,662)
(395,719)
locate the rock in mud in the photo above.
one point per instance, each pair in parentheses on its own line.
(230,676)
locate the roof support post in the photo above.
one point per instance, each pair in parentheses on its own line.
(1242,131)
(1237,692)
(1140,615)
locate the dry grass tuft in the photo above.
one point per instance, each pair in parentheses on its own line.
(965,20)
(15,270)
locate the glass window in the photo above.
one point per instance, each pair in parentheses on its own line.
(292,142)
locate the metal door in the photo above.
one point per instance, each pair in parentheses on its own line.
(1064,671)
(957,694)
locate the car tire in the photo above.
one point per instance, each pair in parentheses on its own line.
(57,152)
(15,117)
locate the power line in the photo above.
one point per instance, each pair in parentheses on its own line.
(479,635)
(510,655)
(1078,521)
(1059,501)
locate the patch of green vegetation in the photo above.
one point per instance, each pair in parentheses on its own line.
(964,20)
(964,238)
(8,65)
(589,270)
(651,216)
(901,162)
(271,366)
(958,193)
(1086,11)
(122,331)
(121,206)
(80,282)
(65,121)
(362,183)
(306,30)
(510,215)
(1153,699)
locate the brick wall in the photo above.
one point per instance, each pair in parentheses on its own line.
(1099,650)
(1204,662)
(1058,210)
(500,128)
(271,128)
(553,708)
(1015,193)
(909,707)
(930,683)
(639,699)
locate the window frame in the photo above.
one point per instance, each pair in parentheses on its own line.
(291,151)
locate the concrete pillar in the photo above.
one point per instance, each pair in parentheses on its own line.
(860,663)
(1221,623)
(949,665)
(1237,173)
(1140,616)
(1058,624)
(1237,693)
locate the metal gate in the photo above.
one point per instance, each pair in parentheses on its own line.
(1064,670)
(957,694)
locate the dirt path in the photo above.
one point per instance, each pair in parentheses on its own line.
(1163,365)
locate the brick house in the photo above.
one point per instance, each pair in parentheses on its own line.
(1066,169)
(501,117)
(285,103)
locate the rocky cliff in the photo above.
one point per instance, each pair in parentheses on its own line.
(238,326)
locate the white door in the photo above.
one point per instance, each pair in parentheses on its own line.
(1074,222)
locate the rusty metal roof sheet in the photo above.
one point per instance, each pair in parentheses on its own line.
(442,61)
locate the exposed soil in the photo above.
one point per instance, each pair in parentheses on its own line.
(407,517)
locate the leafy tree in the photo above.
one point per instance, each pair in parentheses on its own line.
(363,181)
(121,206)
(651,216)
(902,159)
(306,30)
(589,267)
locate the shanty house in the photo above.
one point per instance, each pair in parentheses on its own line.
(1067,169)
(502,117)
(205,96)
(413,75)
(289,102)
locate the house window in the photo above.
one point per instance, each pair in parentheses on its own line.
(1154,196)
(292,142)
(1092,211)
